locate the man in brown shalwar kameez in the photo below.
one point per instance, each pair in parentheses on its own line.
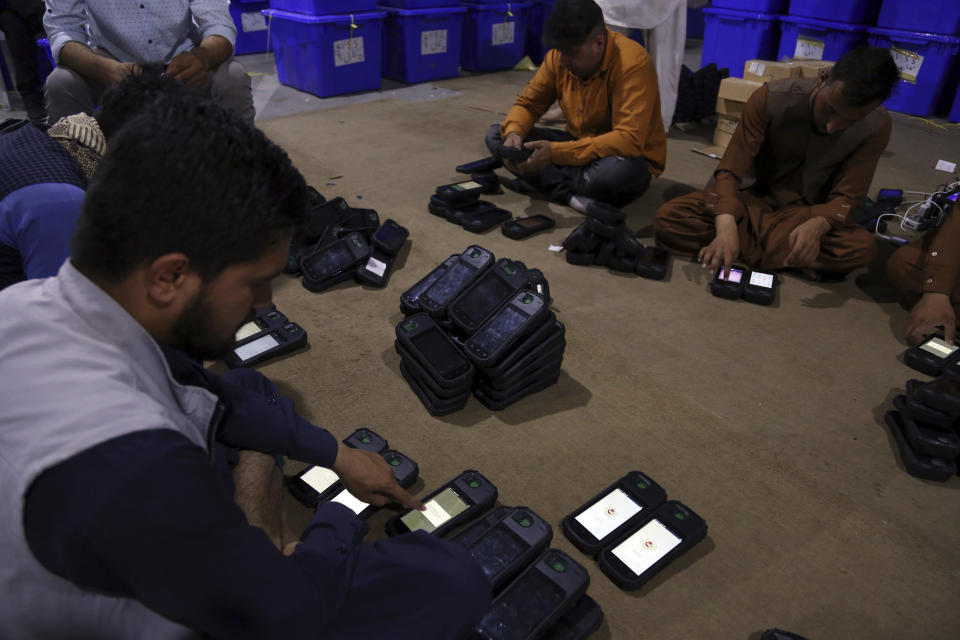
(801,159)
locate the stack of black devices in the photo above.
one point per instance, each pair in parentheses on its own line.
(460,203)
(482,325)
(539,592)
(758,287)
(339,242)
(633,530)
(605,240)
(268,335)
(925,422)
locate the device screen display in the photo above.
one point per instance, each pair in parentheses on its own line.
(247,330)
(440,509)
(528,601)
(451,283)
(764,280)
(496,549)
(608,513)
(529,222)
(735,275)
(320,478)
(255,348)
(350,501)
(413,293)
(469,184)
(500,329)
(644,548)
(329,261)
(483,298)
(388,234)
(938,347)
(439,352)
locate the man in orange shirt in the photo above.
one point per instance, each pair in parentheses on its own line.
(606,85)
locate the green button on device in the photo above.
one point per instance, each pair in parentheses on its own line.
(558,566)
(474,484)
(525,522)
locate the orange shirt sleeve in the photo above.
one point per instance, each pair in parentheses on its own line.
(635,111)
(723,197)
(536,98)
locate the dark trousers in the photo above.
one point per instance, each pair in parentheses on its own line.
(616,180)
(20,27)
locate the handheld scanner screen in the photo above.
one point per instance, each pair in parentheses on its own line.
(320,478)
(484,297)
(735,275)
(496,549)
(330,260)
(440,509)
(255,348)
(609,512)
(450,284)
(938,347)
(247,330)
(388,234)
(759,279)
(440,352)
(529,222)
(498,331)
(644,548)
(413,294)
(350,501)
(526,602)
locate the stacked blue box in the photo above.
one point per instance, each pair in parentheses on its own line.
(925,16)
(251,26)
(419,4)
(731,38)
(422,44)
(324,7)
(818,39)
(924,60)
(494,35)
(851,11)
(758,6)
(327,55)
(955,112)
(537,16)
(45,63)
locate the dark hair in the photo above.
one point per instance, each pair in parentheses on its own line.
(571,22)
(186,176)
(122,101)
(868,75)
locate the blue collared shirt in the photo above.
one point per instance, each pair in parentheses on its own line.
(142,31)
(38,221)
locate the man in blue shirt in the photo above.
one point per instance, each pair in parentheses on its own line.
(116,518)
(97,43)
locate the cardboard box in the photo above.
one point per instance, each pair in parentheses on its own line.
(811,68)
(767,70)
(724,131)
(733,94)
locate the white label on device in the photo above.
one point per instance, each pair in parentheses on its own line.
(463,186)
(253,21)
(809,48)
(761,279)
(255,348)
(757,68)
(349,51)
(608,513)
(642,550)
(350,501)
(943,165)
(938,347)
(908,64)
(433,42)
(436,514)
(503,33)
(320,478)
(556,248)
(377,267)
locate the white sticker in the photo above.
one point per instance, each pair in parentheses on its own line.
(556,248)
(908,64)
(757,68)
(758,279)
(608,513)
(503,33)
(433,42)
(376,267)
(350,501)
(938,347)
(809,48)
(943,165)
(253,21)
(349,51)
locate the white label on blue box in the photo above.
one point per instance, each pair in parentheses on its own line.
(908,64)
(253,21)
(503,33)
(433,42)
(809,48)
(349,51)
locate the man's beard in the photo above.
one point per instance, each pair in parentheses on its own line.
(195,332)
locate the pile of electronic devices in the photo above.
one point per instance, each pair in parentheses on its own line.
(339,242)
(758,287)
(925,422)
(481,325)
(605,240)
(268,335)
(539,591)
